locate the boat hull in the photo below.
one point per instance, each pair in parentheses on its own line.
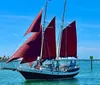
(35,75)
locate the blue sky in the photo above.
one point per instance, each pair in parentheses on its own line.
(17,15)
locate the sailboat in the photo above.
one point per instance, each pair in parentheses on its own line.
(40,48)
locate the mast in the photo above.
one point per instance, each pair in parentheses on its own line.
(45,15)
(61,29)
(43,29)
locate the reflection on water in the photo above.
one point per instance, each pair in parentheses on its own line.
(73,81)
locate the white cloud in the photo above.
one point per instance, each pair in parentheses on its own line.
(89,25)
(17,17)
(86,9)
(85,52)
(15,34)
(98,35)
(89,50)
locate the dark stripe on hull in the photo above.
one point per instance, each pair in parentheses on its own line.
(30,75)
(73,70)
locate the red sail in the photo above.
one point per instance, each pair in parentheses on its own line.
(49,44)
(69,41)
(35,25)
(30,49)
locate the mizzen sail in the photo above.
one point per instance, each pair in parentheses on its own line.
(49,43)
(69,41)
(35,24)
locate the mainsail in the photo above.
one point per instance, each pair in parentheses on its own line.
(35,26)
(69,41)
(30,50)
(49,43)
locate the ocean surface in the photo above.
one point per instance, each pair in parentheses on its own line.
(85,77)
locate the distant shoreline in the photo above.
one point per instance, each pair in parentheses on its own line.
(85,59)
(62,59)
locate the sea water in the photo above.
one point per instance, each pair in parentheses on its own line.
(86,76)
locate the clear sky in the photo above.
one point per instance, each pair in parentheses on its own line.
(17,15)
